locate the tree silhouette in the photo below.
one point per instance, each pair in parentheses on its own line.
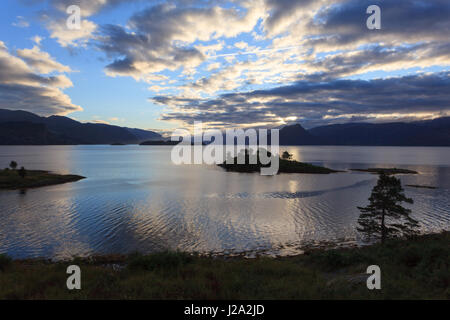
(13,165)
(22,172)
(384,217)
(286,155)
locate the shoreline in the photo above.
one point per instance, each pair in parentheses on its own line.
(10,179)
(229,254)
(251,254)
(415,268)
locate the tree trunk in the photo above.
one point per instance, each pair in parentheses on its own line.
(383,228)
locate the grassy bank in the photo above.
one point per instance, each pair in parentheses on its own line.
(410,269)
(10,179)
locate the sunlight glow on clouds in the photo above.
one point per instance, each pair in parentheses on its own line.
(21,87)
(41,61)
(261,62)
(67,37)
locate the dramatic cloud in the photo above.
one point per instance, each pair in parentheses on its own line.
(263,62)
(23,89)
(419,96)
(56,22)
(41,61)
(88,7)
(379,57)
(314,44)
(283,15)
(403,21)
(163,35)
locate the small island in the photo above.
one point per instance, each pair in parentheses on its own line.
(168,143)
(420,186)
(159,143)
(12,179)
(286,165)
(386,171)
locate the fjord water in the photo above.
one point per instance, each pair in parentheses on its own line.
(135,199)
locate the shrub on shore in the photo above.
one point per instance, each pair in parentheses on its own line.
(159,261)
(13,165)
(5,261)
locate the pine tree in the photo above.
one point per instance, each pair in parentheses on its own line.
(385,217)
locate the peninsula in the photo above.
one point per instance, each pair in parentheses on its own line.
(386,171)
(12,179)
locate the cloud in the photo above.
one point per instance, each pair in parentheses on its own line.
(285,14)
(379,57)
(37,40)
(342,25)
(21,88)
(41,61)
(156,88)
(411,31)
(213,66)
(56,19)
(88,7)
(21,22)
(71,37)
(241,45)
(165,37)
(162,37)
(211,56)
(265,67)
(314,103)
(98,121)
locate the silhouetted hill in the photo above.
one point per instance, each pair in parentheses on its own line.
(18,116)
(144,135)
(159,143)
(296,135)
(21,127)
(420,133)
(28,133)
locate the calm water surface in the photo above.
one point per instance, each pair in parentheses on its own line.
(135,199)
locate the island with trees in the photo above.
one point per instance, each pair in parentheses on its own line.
(286,164)
(12,178)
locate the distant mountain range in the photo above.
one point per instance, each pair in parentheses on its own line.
(26,128)
(420,133)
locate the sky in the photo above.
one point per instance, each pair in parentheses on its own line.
(162,65)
